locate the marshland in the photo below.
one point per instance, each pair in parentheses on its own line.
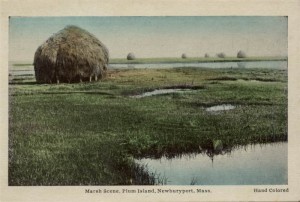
(148,100)
(94,133)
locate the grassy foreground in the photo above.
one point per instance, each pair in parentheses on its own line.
(90,133)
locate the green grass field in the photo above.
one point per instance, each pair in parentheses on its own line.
(90,133)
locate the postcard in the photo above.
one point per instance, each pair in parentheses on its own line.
(150,101)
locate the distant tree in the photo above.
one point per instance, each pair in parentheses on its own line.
(221,55)
(206,55)
(183,56)
(241,54)
(130,56)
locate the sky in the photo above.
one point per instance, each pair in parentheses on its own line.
(158,36)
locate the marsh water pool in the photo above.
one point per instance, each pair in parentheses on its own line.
(252,64)
(264,164)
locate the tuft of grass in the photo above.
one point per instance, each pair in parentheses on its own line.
(194,181)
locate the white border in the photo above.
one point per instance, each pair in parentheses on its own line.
(290,8)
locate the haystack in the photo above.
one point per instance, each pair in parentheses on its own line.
(130,56)
(241,54)
(71,55)
(221,55)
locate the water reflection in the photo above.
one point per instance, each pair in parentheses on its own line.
(248,165)
(241,64)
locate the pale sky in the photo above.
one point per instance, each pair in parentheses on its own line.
(158,36)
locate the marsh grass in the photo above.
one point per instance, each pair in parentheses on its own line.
(194,181)
(90,133)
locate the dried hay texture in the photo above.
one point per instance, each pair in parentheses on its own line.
(241,54)
(130,56)
(70,55)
